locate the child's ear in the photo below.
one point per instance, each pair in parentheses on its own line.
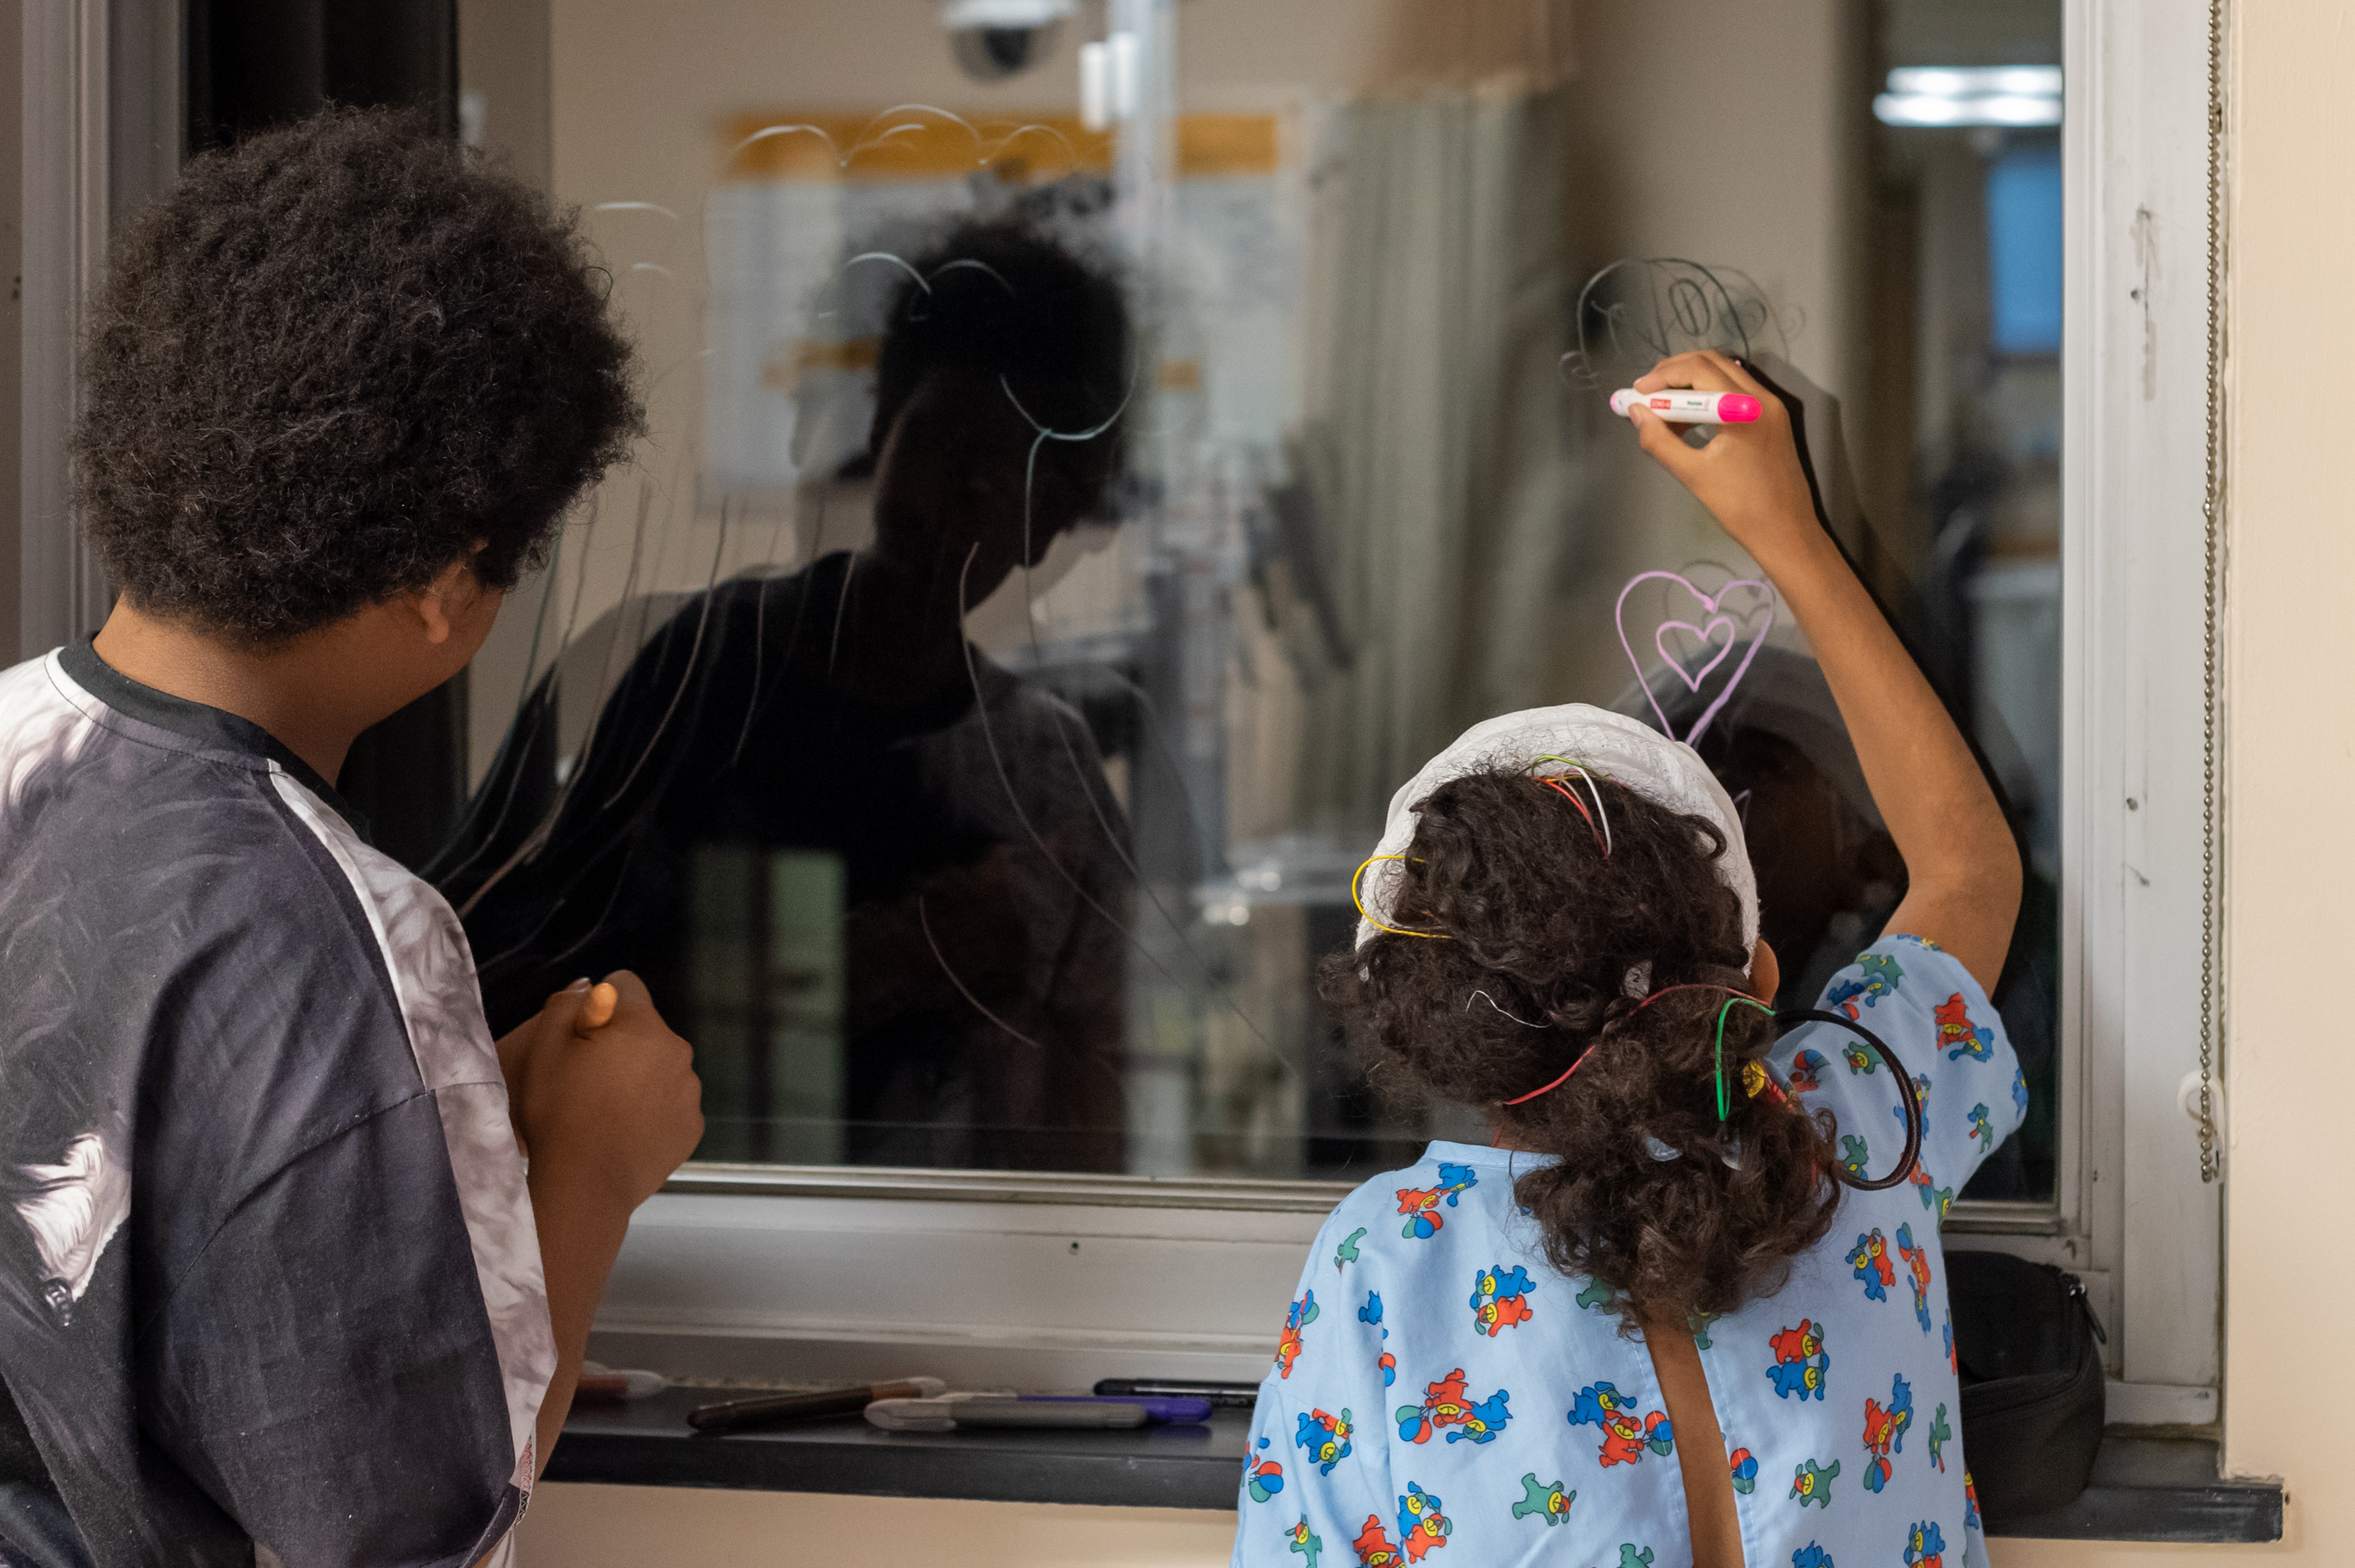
(449,595)
(1765,971)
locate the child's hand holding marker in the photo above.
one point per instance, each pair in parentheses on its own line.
(580,1006)
(1749,474)
(605,1089)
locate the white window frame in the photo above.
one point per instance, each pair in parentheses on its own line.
(1056,1279)
(2133,363)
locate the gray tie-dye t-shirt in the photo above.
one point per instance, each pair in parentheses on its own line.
(268,1286)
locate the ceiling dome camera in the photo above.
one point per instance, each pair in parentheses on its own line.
(992,39)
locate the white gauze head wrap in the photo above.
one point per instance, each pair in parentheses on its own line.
(1666,772)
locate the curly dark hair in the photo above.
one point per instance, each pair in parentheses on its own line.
(1002,298)
(1550,928)
(328,362)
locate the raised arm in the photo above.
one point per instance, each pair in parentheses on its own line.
(1962,876)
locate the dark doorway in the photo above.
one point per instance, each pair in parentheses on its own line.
(253,64)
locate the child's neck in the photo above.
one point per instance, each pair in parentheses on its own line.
(312,695)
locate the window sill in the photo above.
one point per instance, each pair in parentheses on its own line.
(931,1185)
(2159,1489)
(2144,1489)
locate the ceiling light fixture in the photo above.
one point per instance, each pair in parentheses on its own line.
(2017,95)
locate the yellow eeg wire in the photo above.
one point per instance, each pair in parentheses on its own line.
(1377,924)
(1441,936)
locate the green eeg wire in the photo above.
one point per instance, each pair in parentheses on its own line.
(1730,1004)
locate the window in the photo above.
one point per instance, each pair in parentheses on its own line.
(1071,513)
(1098,450)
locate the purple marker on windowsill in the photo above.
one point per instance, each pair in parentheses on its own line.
(1070,1412)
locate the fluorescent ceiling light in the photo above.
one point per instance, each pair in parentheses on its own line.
(1971,95)
(1922,109)
(1012,14)
(1977,82)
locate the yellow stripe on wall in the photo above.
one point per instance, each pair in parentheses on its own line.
(928,144)
(1211,145)
(911,144)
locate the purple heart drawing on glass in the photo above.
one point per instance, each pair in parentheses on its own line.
(1695,650)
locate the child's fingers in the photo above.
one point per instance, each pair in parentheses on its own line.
(557,1014)
(1704,371)
(1740,374)
(1664,443)
(608,998)
(632,990)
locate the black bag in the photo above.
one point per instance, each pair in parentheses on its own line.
(2032,1391)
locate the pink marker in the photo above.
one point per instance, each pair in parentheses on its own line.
(1687,407)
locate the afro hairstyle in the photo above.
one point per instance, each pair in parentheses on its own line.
(331,361)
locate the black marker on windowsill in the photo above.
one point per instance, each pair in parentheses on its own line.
(781,1409)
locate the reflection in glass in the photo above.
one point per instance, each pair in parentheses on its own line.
(1073,511)
(883,872)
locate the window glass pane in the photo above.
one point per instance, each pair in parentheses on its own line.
(1098,451)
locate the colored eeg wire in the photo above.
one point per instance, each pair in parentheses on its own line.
(1558,1083)
(1735,999)
(1499,1011)
(1553,781)
(1559,788)
(1367,917)
(1601,830)
(1717,1053)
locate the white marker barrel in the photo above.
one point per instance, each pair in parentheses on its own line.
(1687,407)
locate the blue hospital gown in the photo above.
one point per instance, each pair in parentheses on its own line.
(1438,1386)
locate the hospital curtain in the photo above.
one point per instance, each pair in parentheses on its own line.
(1435,446)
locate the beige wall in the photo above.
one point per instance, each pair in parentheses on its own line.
(659,1526)
(502,66)
(1756,181)
(2290,1383)
(1768,141)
